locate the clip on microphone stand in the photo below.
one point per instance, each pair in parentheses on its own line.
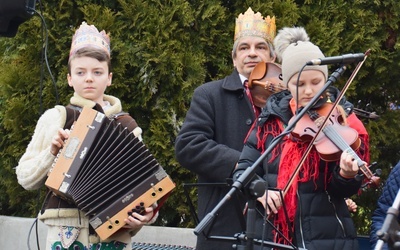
(389,233)
(247,176)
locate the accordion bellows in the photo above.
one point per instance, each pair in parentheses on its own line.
(106,172)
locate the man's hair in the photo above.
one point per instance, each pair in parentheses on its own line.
(270,46)
(95,53)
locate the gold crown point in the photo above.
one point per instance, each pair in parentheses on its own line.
(253,24)
(89,36)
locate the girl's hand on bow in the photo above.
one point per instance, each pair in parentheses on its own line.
(273,202)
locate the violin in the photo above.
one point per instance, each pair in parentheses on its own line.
(334,139)
(265,80)
(307,128)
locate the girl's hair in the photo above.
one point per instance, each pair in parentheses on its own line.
(91,52)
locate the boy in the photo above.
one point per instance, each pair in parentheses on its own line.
(89,75)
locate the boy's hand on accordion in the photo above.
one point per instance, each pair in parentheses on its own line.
(136,220)
(58,140)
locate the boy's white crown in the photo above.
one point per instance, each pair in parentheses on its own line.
(89,36)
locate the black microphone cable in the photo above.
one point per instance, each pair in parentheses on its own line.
(44,58)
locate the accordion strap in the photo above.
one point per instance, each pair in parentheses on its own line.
(124,118)
(53,201)
(72,115)
(160,204)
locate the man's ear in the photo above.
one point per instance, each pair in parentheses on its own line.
(233,59)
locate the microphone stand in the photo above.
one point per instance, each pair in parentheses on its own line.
(246,177)
(389,233)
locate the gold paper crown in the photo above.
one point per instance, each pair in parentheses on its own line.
(251,24)
(89,36)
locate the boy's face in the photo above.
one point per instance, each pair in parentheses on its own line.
(89,77)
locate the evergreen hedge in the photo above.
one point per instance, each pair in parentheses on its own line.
(161,51)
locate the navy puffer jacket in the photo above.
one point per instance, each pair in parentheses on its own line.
(385,201)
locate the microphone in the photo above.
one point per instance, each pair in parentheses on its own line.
(343,59)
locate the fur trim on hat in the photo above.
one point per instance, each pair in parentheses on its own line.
(287,36)
(294,49)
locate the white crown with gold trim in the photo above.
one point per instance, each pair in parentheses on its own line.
(253,24)
(89,36)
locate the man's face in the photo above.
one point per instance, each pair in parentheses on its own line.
(250,51)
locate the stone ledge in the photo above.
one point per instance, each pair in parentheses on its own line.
(14,232)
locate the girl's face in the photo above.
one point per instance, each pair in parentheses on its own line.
(310,83)
(89,77)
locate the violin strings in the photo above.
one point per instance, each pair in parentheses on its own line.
(344,146)
(338,140)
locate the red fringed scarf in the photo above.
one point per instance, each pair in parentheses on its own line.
(272,127)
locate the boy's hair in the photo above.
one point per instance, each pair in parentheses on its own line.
(91,52)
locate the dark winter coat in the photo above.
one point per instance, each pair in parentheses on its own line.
(209,144)
(385,201)
(322,218)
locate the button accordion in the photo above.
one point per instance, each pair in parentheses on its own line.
(106,172)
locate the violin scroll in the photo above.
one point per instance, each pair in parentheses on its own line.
(265,79)
(373,179)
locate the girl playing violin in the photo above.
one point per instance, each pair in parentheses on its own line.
(312,213)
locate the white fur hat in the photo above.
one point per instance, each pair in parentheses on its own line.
(294,49)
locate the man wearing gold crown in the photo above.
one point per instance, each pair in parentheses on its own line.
(89,75)
(220,115)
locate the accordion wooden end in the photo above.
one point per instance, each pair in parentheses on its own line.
(107,172)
